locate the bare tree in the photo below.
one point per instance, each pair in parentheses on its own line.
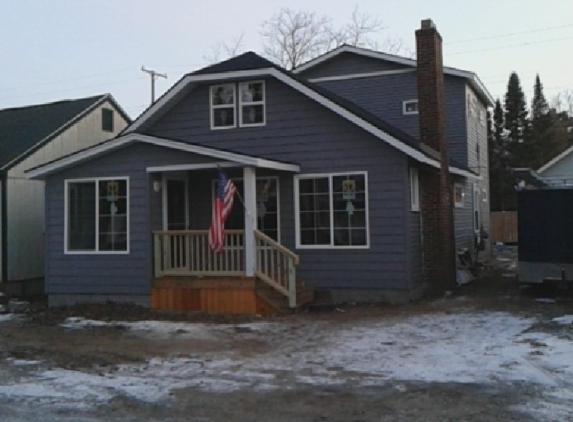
(563,102)
(293,37)
(223,51)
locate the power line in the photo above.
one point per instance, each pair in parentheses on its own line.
(510,46)
(511,34)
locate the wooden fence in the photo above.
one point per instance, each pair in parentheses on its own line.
(504,226)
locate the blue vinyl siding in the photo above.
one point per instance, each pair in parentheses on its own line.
(300,131)
(383,96)
(109,274)
(348,64)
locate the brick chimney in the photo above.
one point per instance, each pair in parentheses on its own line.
(438,244)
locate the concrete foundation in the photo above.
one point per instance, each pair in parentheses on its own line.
(376,295)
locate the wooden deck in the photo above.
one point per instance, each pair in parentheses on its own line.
(229,295)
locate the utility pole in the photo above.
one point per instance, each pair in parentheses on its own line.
(154,75)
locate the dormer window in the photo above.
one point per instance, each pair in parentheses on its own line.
(248,110)
(223,106)
(252,107)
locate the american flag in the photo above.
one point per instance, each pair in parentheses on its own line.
(222,206)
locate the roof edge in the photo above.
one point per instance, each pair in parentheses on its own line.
(103,98)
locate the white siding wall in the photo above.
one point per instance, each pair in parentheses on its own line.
(26,197)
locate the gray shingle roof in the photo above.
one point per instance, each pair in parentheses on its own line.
(23,127)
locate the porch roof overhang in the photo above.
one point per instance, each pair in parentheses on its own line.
(227,158)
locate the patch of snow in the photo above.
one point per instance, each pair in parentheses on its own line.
(465,347)
(22,362)
(6,317)
(564,320)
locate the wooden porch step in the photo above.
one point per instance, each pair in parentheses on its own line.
(279,303)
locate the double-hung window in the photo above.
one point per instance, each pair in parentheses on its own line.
(97,216)
(223,105)
(252,103)
(242,102)
(332,210)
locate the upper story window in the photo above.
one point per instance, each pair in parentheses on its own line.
(252,107)
(410,107)
(223,105)
(107,120)
(242,102)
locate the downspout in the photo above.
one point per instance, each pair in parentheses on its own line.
(4,200)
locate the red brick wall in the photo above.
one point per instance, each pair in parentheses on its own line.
(435,186)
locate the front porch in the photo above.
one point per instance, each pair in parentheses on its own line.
(189,276)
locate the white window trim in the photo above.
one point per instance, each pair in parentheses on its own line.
(456,203)
(484,195)
(414,189)
(263,103)
(257,178)
(406,113)
(213,107)
(296,180)
(96,180)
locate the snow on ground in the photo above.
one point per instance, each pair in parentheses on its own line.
(6,317)
(470,347)
(564,320)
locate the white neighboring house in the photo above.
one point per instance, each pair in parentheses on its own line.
(31,136)
(558,172)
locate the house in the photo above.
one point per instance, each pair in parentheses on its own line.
(31,136)
(335,183)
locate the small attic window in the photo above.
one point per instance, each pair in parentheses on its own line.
(107,120)
(410,107)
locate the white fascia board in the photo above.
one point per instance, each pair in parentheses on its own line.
(190,167)
(555,160)
(362,75)
(182,84)
(379,133)
(472,77)
(465,173)
(133,137)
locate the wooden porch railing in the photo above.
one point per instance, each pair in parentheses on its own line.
(187,252)
(276,266)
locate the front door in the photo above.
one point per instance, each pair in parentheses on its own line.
(176,217)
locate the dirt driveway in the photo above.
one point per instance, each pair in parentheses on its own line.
(487,353)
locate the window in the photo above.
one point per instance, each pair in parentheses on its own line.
(484,195)
(252,103)
(107,120)
(459,196)
(97,216)
(332,210)
(414,189)
(223,106)
(410,107)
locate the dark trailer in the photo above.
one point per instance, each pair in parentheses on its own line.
(545,233)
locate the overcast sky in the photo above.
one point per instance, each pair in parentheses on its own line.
(60,49)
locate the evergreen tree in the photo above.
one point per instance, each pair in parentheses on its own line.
(516,123)
(501,179)
(542,142)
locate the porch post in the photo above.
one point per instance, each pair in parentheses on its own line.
(250,186)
